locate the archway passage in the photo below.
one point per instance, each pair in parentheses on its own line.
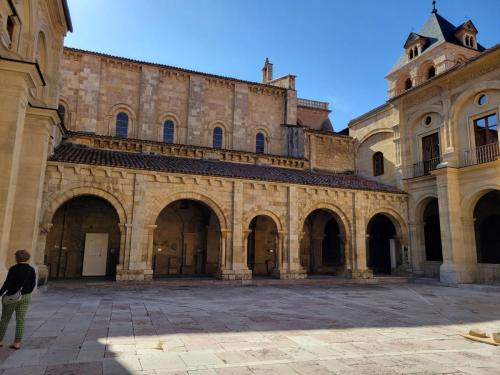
(487,227)
(262,246)
(432,232)
(186,240)
(84,239)
(321,247)
(381,233)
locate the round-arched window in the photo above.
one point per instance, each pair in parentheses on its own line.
(428,120)
(122,125)
(217,138)
(61,109)
(168,131)
(260,143)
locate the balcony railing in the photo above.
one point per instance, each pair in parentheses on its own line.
(422,168)
(482,154)
(312,104)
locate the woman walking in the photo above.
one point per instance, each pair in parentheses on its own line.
(16,292)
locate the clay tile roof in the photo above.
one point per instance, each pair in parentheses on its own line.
(71,153)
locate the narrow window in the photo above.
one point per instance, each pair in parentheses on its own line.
(486,130)
(378,164)
(408,84)
(168,131)
(61,109)
(411,54)
(467,40)
(431,72)
(260,140)
(471,41)
(217,138)
(416,51)
(122,125)
(10,29)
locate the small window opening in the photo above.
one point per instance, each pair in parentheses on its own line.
(61,109)
(416,51)
(10,28)
(431,72)
(482,100)
(408,84)
(378,164)
(411,54)
(260,143)
(428,120)
(217,138)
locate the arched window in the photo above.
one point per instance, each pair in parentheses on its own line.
(467,43)
(471,41)
(217,138)
(10,29)
(416,51)
(378,164)
(411,54)
(122,125)
(260,143)
(168,131)
(431,72)
(61,109)
(408,84)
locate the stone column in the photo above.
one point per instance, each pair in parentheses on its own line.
(295,270)
(32,167)
(39,256)
(123,262)
(148,246)
(417,247)
(281,269)
(457,267)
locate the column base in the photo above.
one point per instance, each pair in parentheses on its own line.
(133,275)
(244,274)
(452,273)
(362,274)
(289,275)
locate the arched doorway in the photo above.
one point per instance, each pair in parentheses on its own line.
(186,240)
(432,232)
(487,228)
(262,246)
(381,232)
(84,239)
(322,248)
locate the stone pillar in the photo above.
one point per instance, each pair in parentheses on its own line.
(281,269)
(417,247)
(32,167)
(124,260)
(295,270)
(458,266)
(148,254)
(39,258)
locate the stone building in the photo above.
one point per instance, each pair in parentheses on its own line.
(437,139)
(147,170)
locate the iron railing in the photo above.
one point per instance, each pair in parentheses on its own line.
(422,168)
(482,154)
(312,104)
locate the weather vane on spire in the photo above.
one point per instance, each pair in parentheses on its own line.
(434,10)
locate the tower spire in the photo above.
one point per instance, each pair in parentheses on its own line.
(434,10)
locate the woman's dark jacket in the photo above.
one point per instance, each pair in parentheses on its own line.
(20,275)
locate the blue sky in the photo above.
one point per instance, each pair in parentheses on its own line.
(340,51)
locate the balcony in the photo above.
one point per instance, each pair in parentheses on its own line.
(312,104)
(422,168)
(482,154)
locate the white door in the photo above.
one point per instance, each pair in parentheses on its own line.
(95,254)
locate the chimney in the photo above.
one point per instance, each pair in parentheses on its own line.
(267,72)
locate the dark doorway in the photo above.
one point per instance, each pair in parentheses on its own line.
(381,231)
(430,152)
(186,240)
(487,228)
(68,249)
(321,246)
(432,232)
(261,246)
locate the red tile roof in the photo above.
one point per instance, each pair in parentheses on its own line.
(71,153)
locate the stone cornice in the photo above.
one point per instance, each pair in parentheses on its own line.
(32,70)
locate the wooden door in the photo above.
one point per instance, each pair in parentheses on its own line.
(430,151)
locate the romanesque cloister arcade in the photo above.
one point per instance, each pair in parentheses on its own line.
(191,233)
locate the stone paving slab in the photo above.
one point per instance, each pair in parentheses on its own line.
(287,328)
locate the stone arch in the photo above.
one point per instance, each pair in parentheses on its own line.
(253,214)
(472,91)
(395,217)
(162,202)
(469,203)
(422,203)
(333,209)
(225,133)
(417,116)
(113,112)
(423,69)
(371,134)
(161,121)
(65,196)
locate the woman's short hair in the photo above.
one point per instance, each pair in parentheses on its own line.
(22,256)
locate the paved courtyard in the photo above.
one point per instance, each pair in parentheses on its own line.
(274,329)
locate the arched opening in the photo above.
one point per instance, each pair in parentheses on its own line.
(487,228)
(262,246)
(61,110)
(383,249)
(260,143)
(321,247)
(168,131)
(122,125)
(186,240)
(84,239)
(432,232)
(408,84)
(217,138)
(378,163)
(431,72)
